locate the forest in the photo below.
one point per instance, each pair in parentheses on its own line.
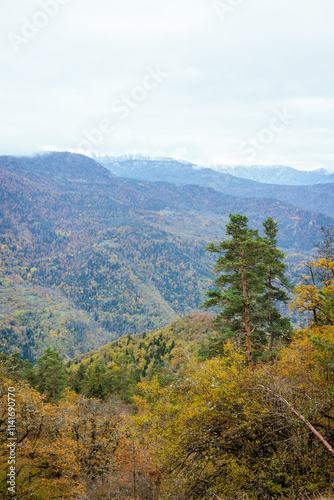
(232,402)
(87,257)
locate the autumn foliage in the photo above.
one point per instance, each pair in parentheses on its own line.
(223,430)
(180,413)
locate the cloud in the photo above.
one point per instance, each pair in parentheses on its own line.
(226,75)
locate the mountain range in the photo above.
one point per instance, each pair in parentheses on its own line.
(278,174)
(316,197)
(270,174)
(88,256)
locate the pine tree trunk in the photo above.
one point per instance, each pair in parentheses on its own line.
(247,316)
(270,323)
(54,385)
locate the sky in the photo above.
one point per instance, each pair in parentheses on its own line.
(237,82)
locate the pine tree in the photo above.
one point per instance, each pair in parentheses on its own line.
(241,285)
(51,375)
(276,283)
(251,286)
(96,385)
(79,379)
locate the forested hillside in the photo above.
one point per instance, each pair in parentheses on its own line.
(118,367)
(97,256)
(233,404)
(147,417)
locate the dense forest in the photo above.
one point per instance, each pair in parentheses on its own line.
(154,347)
(235,404)
(86,257)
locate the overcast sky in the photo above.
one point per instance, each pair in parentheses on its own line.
(208,81)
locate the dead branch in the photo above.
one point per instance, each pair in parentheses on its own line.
(303,419)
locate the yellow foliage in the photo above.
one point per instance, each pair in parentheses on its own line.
(46,453)
(223,428)
(316,292)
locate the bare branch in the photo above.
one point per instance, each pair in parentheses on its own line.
(303,419)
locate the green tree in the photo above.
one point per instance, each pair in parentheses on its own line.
(241,284)
(96,385)
(276,284)
(123,376)
(79,379)
(249,289)
(51,375)
(18,368)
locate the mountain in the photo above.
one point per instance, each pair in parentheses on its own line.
(318,197)
(277,174)
(87,256)
(271,174)
(60,167)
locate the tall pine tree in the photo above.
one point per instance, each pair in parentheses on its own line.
(51,375)
(249,287)
(240,284)
(276,284)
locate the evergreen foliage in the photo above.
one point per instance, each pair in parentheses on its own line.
(51,375)
(116,369)
(276,284)
(249,286)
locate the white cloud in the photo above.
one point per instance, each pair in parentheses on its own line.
(225,77)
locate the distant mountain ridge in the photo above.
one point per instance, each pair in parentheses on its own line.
(270,174)
(278,174)
(317,197)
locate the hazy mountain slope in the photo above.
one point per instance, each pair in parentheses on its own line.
(318,198)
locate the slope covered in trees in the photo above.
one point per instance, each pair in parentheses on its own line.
(118,367)
(151,416)
(120,255)
(202,429)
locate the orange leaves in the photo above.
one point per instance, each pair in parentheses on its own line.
(63,447)
(46,452)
